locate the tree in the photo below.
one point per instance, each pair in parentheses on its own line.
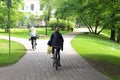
(93,13)
(49,6)
(113,11)
(4,13)
(46,6)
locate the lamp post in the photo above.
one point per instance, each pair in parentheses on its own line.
(46,23)
(25,18)
(9,5)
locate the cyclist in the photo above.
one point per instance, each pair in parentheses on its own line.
(32,35)
(56,40)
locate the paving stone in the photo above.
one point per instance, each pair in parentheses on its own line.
(37,65)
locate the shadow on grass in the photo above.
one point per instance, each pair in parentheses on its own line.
(106,64)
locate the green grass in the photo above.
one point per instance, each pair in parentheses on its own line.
(17,51)
(24,33)
(99,50)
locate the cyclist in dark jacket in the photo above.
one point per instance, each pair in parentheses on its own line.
(56,40)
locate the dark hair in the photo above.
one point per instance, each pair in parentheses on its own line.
(57,28)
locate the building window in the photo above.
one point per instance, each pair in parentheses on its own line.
(32,6)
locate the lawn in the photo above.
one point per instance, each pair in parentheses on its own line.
(24,33)
(17,51)
(100,52)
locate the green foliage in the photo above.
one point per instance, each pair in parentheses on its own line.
(68,8)
(3,14)
(61,23)
(49,6)
(96,12)
(14,13)
(54,24)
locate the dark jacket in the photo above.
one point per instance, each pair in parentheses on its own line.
(56,39)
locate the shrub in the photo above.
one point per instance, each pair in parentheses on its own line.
(62,24)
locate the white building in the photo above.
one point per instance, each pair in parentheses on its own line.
(32,6)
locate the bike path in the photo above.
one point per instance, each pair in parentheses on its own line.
(37,65)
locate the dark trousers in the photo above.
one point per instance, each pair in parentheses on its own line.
(58,51)
(33,38)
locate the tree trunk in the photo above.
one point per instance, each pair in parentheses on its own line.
(68,25)
(113,33)
(86,24)
(89,25)
(96,26)
(118,36)
(100,31)
(113,28)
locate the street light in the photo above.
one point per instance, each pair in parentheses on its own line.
(46,22)
(9,5)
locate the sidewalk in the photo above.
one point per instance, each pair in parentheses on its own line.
(37,65)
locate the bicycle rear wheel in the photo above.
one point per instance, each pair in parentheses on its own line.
(56,65)
(55,61)
(34,45)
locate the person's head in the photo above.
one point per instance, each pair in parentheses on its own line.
(57,28)
(32,28)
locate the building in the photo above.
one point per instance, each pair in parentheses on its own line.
(32,6)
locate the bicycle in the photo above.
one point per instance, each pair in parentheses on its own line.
(56,58)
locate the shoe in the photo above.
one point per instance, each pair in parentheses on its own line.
(59,64)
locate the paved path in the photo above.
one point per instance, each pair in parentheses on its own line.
(37,65)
